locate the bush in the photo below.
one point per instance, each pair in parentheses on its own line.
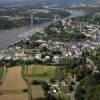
(1,94)
(52,80)
(35,82)
(45,86)
(25,90)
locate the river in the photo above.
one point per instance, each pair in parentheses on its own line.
(9,37)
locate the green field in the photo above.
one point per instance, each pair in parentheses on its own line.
(1,72)
(97,14)
(40,72)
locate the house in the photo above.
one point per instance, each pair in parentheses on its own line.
(21,54)
(43,45)
(56,59)
(70,53)
(15,58)
(1,57)
(8,58)
(18,48)
(40,41)
(38,56)
(47,57)
(66,55)
(63,22)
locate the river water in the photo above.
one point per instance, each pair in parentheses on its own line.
(8,37)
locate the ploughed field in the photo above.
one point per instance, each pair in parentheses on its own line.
(13,80)
(37,92)
(13,85)
(14,97)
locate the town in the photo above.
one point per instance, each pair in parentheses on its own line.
(67,47)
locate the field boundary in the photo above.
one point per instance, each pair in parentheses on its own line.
(4,74)
(27,83)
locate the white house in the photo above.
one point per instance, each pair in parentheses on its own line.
(56,59)
(38,56)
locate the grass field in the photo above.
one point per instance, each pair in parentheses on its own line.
(1,72)
(97,14)
(40,72)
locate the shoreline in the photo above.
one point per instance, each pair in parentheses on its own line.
(42,25)
(21,32)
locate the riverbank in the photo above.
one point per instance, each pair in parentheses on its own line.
(9,37)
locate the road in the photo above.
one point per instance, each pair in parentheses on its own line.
(72,97)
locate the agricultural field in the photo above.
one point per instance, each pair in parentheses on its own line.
(97,14)
(13,80)
(14,86)
(37,92)
(14,97)
(39,72)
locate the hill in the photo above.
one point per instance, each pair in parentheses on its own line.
(68,2)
